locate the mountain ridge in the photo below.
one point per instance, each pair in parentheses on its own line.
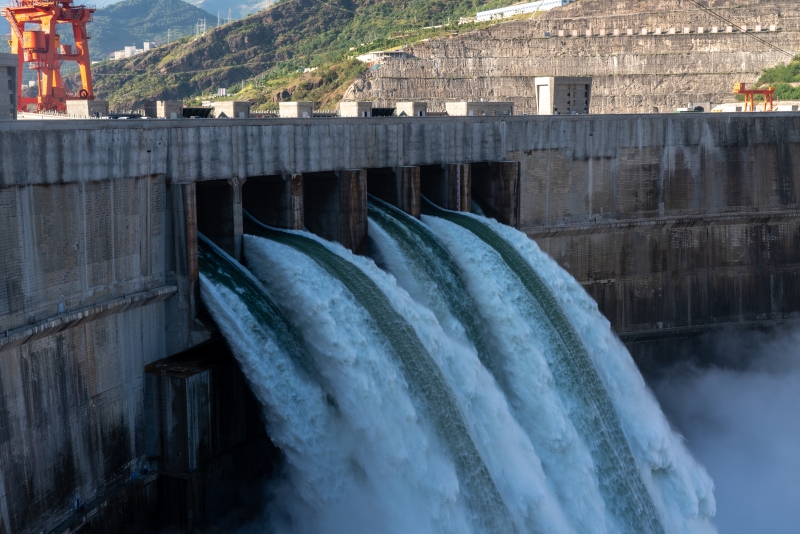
(132,21)
(292,35)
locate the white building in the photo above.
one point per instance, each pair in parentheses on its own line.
(130,51)
(563,95)
(382,55)
(519,9)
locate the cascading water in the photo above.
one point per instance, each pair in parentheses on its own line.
(422,264)
(301,421)
(480,400)
(659,489)
(453,390)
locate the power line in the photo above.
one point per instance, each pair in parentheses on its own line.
(752,35)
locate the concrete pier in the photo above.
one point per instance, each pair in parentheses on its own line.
(219,213)
(495,186)
(335,206)
(276,200)
(448,185)
(676,224)
(399,186)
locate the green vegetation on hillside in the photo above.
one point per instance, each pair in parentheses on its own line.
(273,45)
(324,86)
(133,21)
(785,78)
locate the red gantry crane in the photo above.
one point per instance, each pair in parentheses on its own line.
(739,88)
(35,40)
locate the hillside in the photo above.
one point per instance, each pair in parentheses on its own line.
(294,34)
(658,66)
(785,78)
(238,8)
(133,21)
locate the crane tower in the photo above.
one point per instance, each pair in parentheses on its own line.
(35,40)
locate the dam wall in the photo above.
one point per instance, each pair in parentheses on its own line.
(675,224)
(673,227)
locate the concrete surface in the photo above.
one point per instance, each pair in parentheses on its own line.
(675,224)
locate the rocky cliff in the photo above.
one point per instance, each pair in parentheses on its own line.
(637,63)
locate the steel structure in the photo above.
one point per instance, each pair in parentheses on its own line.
(739,88)
(35,40)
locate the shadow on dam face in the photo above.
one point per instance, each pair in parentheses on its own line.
(207,428)
(216,217)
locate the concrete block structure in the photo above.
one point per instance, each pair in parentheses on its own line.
(411,109)
(102,391)
(355,109)
(232,109)
(163,109)
(296,110)
(479,109)
(87,109)
(8,86)
(563,95)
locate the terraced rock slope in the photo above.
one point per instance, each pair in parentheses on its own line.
(652,69)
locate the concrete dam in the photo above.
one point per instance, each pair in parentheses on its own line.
(121,409)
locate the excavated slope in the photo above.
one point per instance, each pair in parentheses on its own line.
(638,73)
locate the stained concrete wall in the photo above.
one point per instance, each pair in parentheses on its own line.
(8,86)
(72,416)
(672,222)
(673,227)
(89,296)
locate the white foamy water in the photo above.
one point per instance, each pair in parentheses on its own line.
(518,352)
(334,325)
(681,489)
(476,412)
(300,421)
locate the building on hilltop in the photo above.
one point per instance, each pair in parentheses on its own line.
(520,9)
(381,55)
(130,51)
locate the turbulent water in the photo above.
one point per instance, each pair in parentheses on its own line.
(468,384)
